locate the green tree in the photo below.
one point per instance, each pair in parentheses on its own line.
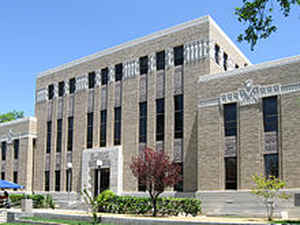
(13,115)
(257,14)
(269,191)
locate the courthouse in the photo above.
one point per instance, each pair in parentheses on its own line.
(186,90)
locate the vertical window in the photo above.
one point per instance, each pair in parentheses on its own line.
(178,55)
(270,114)
(144,65)
(15,177)
(103,128)
(231,173)
(69,180)
(230,119)
(225,61)
(50,91)
(49,129)
(178,103)
(61,89)
(3,150)
(117,130)
(271,165)
(2,175)
(119,71)
(217,53)
(59,135)
(179,186)
(143,123)
(16,149)
(104,76)
(237,66)
(92,77)
(70,133)
(160,60)
(57,180)
(72,85)
(90,124)
(47,181)
(160,119)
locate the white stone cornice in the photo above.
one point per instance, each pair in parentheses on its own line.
(82,82)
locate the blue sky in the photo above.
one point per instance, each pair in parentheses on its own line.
(38,35)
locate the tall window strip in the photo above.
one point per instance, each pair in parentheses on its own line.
(104,76)
(49,131)
(92,79)
(143,123)
(69,180)
(178,103)
(119,71)
(179,186)
(225,61)
(59,135)
(61,88)
(70,133)
(271,165)
(47,180)
(160,119)
(57,180)
(50,91)
(230,126)
(15,177)
(72,85)
(90,124)
(178,55)
(103,128)
(217,53)
(3,150)
(117,130)
(144,65)
(2,175)
(160,60)
(16,148)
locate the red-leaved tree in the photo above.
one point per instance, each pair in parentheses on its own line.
(155,171)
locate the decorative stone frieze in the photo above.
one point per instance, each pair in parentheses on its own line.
(208,102)
(178,150)
(67,88)
(195,50)
(230,146)
(81,83)
(111,74)
(130,69)
(169,57)
(41,95)
(152,62)
(271,145)
(98,78)
(55,90)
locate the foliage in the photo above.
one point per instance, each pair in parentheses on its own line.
(13,115)
(269,190)
(108,202)
(93,204)
(155,170)
(258,15)
(39,201)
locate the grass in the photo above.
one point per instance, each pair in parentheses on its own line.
(285,221)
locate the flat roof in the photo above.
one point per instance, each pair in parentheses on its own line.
(21,120)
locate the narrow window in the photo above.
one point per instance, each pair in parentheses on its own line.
(104,76)
(160,119)
(47,181)
(230,119)
(231,173)
(143,123)
(225,61)
(270,113)
(59,135)
(3,149)
(103,128)
(117,130)
(72,85)
(50,91)
(2,175)
(15,177)
(237,66)
(179,186)
(90,121)
(57,180)
(271,165)
(160,60)
(119,71)
(70,133)
(61,89)
(178,103)
(92,79)
(217,53)
(16,149)
(178,55)
(144,65)
(49,129)
(69,180)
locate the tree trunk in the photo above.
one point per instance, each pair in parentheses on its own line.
(154,212)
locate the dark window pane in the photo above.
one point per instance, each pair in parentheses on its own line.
(178,55)
(104,76)
(15,177)
(270,114)
(90,124)
(143,123)
(72,85)
(92,79)
(57,180)
(61,89)
(160,119)
(16,149)
(179,186)
(217,53)
(103,128)
(117,128)
(160,60)
(271,165)
(2,175)
(50,91)
(59,135)
(119,71)
(3,150)
(225,61)
(230,119)
(49,131)
(231,173)
(178,103)
(69,180)
(47,181)
(144,65)
(70,133)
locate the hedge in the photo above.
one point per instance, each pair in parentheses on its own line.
(39,201)
(111,203)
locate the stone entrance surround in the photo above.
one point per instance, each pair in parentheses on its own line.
(111,158)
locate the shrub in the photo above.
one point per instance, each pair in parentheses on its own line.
(39,201)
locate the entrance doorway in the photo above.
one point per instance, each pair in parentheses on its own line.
(101,181)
